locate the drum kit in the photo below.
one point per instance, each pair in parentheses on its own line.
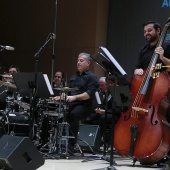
(13,114)
(54,124)
(50,115)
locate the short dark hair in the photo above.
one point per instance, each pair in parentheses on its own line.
(62,73)
(111,78)
(156,25)
(14,66)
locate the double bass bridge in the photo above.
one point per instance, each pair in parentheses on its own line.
(138,112)
(140,109)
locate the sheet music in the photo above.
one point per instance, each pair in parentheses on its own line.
(48,84)
(112,59)
(98,97)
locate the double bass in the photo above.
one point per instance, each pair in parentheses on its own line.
(143,132)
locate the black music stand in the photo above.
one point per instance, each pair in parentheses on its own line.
(110,65)
(122,95)
(25,83)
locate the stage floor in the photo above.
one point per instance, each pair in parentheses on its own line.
(93,162)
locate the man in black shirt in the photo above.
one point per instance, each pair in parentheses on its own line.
(80,100)
(152,31)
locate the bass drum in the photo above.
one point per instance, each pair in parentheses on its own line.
(15,123)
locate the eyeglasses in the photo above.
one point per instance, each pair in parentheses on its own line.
(58,77)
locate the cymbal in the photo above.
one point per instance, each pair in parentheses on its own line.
(8,84)
(6,75)
(66,89)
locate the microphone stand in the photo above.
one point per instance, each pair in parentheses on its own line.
(34,85)
(53,55)
(50,36)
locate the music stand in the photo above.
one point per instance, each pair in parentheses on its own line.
(122,95)
(23,81)
(26,86)
(111,66)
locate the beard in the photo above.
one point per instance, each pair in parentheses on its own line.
(152,38)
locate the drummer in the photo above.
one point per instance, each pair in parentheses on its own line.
(7,91)
(80,100)
(8,76)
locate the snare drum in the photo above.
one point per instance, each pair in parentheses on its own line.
(53,110)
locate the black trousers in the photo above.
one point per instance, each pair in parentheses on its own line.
(75,114)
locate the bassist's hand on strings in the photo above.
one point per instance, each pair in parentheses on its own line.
(160,51)
(139,71)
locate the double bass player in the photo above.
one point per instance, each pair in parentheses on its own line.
(144,126)
(152,32)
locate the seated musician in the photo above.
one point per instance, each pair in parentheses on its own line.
(98,116)
(6,89)
(80,100)
(58,80)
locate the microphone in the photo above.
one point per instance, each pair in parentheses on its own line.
(7,48)
(52,36)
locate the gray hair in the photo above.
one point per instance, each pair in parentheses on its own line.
(88,57)
(102,79)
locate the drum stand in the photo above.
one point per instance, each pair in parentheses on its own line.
(63,136)
(58,138)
